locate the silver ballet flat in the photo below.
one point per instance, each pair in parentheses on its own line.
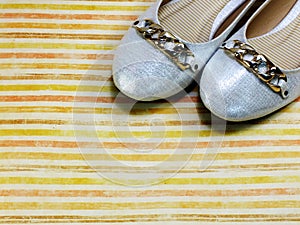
(168,46)
(257,71)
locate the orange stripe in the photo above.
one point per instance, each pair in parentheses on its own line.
(63,26)
(54,56)
(151,193)
(44,205)
(172,145)
(51,144)
(167,145)
(83,99)
(55,66)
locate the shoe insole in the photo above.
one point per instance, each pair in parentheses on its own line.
(191,20)
(233,16)
(281,47)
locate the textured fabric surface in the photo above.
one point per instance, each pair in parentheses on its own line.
(55,84)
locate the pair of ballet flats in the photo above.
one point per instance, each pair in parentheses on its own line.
(253,73)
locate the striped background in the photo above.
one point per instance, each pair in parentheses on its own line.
(60,114)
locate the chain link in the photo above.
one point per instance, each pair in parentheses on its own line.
(259,65)
(167,43)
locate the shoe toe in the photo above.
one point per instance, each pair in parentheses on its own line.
(147,81)
(142,72)
(233,93)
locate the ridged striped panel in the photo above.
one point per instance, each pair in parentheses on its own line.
(283,47)
(191,20)
(60,113)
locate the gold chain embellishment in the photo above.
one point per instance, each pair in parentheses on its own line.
(166,42)
(258,64)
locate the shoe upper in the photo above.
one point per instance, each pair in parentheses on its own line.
(143,72)
(233,92)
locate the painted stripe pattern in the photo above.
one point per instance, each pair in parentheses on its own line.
(74,150)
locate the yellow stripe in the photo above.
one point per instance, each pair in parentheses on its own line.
(137,134)
(171,181)
(267,167)
(263,132)
(74,7)
(146,205)
(157,217)
(37,45)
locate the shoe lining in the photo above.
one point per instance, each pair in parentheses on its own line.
(191,20)
(281,47)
